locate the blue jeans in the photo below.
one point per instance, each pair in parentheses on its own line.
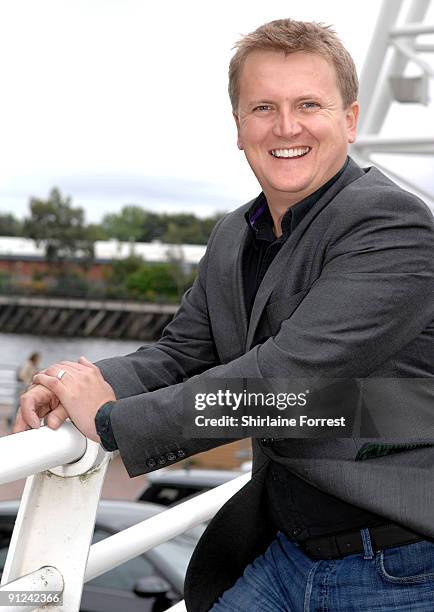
(285,579)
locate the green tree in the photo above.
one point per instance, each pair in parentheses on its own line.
(133,224)
(184,228)
(10,226)
(60,227)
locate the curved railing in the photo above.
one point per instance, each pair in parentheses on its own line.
(50,549)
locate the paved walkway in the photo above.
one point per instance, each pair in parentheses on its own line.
(117,485)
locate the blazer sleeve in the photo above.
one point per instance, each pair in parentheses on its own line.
(374,295)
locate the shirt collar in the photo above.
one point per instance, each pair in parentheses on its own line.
(259,219)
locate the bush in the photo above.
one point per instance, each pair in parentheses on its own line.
(153,282)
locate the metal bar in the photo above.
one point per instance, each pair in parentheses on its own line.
(127,544)
(363,159)
(179,607)
(404,182)
(408,52)
(33,451)
(424,48)
(47,579)
(56,519)
(374,143)
(388,15)
(411,29)
(116,549)
(380,103)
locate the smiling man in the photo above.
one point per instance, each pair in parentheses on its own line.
(293,124)
(326,274)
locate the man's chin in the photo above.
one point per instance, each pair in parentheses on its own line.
(293,189)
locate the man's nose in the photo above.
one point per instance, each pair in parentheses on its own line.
(286,124)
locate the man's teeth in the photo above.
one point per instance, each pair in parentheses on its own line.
(297,152)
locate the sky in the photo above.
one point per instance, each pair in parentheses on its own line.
(125,101)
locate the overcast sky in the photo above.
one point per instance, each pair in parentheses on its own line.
(125,101)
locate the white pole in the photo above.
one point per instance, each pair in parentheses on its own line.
(375,58)
(46,580)
(401,146)
(127,544)
(179,607)
(412,29)
(34,451)
(378,106)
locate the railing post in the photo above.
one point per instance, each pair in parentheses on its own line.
(55,521)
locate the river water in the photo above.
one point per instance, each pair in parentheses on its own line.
(14,348)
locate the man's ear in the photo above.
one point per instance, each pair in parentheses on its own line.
(237,122)
(352,114)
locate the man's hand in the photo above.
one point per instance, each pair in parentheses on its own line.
(35,404)
(79,394)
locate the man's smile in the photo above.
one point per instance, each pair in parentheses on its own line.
(293,152)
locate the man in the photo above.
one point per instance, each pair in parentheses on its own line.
(328,273)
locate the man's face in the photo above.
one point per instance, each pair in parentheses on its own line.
(292,124)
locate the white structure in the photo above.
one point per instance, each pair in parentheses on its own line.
(107,250)
(397,42)
(50,548)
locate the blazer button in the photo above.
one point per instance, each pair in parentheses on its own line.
(181,454)
(295,532)
(151,463)
(161,460)
(266,441)
(170,456)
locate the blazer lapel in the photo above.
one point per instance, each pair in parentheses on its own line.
(276,269)
(240,313)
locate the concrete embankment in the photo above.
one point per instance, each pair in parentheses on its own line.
(84,318)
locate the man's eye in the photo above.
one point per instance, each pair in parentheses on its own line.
(262,107)
(310,105)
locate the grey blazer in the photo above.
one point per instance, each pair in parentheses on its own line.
(349,295)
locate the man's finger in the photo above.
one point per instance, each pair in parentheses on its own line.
(71,364)
(28,411)
(20,424)
(87,363)
(52,383)
(56,417)
(54,371)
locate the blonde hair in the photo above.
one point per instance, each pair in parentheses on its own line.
(290,36)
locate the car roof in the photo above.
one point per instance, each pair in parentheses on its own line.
(188,477)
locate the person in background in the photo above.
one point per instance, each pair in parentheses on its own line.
(24,376)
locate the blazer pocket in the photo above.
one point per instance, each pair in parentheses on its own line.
(278,311)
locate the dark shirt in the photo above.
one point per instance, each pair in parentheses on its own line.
(296,507)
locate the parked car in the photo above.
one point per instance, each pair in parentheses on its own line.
(168,487)
(151,582)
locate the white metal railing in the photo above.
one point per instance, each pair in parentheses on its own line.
(55,521)
(383,81)
(38,450)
